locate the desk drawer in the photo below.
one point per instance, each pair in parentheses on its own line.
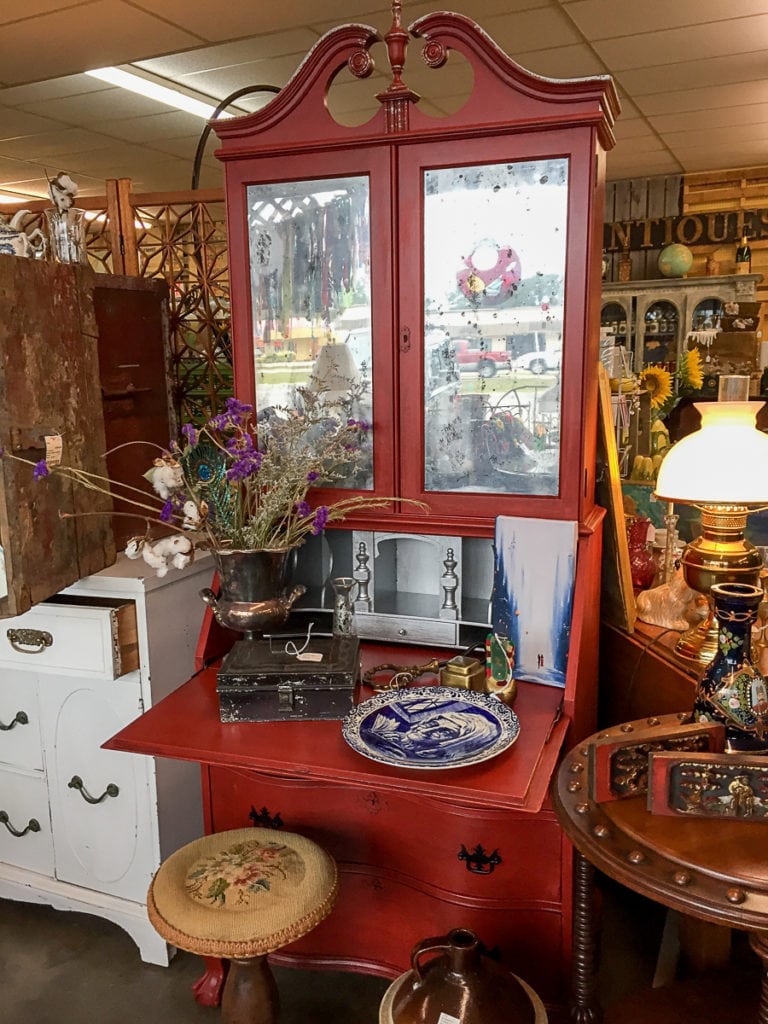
(24,810)
(96,640)
(491,854)
(374,626)
(20,743)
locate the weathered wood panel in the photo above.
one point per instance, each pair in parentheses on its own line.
(741,189)
(49,382)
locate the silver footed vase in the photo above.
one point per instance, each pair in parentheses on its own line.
(254,594)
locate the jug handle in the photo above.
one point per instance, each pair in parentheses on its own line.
(434,945)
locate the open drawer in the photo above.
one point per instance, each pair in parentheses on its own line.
(95,637)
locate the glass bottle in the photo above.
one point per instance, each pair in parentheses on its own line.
(732,691)
(641,558)
(343,609)
(743,257)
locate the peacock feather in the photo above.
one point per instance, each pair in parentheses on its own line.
(205,467)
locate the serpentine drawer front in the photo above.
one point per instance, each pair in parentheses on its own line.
(97,640)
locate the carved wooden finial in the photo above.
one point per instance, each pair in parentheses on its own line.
(397,96)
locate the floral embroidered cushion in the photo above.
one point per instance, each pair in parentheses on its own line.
(242,893)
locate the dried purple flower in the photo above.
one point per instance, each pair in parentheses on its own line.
(244,467)
(312,475)
(303,508)
(166,512)
(321,519)
(190,432)
(40,470)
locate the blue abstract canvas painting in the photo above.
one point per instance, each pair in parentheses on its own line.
(534,572)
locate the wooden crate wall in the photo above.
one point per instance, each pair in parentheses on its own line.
(640,199)
(716,191)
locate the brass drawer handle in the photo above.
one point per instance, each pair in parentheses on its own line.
(29,641)
(77,783)
(33,826)
(21,718)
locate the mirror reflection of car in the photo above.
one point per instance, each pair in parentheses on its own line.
(480,358)
(543,358)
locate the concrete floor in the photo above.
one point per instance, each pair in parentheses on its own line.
(65,968)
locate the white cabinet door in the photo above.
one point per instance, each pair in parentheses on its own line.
(19,720)
(104,837)
(25,826)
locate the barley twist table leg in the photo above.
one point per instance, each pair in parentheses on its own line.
(584,1008)
(759,943)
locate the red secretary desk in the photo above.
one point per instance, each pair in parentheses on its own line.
(391,239)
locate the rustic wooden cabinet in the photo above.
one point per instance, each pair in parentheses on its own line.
(84,355)
(83,828)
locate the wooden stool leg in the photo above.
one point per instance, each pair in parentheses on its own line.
(250,993)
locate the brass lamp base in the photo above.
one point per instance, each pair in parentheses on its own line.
(700,642)
(720,555)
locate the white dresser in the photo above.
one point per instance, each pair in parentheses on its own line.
(83,828)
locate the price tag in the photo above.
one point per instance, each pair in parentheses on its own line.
(311,656)
(446,1018)
(53,449)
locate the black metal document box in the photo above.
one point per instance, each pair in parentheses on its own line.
(259,682)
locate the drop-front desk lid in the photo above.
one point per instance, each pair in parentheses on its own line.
(185,725)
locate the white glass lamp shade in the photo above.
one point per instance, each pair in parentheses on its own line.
(334,372)
(724,462)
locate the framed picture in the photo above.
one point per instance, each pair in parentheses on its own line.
(715,785)
(618,765)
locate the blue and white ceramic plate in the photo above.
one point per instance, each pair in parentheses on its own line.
(430,727)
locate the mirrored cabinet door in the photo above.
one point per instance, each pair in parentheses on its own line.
(494,278)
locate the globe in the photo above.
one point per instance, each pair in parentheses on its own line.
(675,260)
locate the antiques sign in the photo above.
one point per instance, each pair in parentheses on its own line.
(690,229)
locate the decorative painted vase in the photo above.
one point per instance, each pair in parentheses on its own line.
(253,589)
(459,984)
(641,558)
(343,609)
(732,691)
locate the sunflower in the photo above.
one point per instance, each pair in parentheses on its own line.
(690,373)
(658,382)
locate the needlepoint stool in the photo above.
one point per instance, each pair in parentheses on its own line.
(240,895)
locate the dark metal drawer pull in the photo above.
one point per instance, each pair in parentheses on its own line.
(33,826)
(21,718)
(29,641)
(478,861)
(77,783)
(263,819)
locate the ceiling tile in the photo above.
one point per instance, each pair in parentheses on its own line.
(577,61)
(85,36)
(10,13)
(712,118)
(173,124)
(676,45)
(604,19)
(55,88)
(704,99)
(47,146)
(671,78)
(227,55)
(18,122)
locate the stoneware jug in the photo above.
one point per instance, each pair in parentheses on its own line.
(459,984)
(15,242)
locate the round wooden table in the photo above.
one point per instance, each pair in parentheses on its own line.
(716,870)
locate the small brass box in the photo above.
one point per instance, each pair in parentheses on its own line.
(466,673)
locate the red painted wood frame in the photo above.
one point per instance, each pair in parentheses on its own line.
(510,115)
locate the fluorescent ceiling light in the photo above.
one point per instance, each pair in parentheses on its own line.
(154,91)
